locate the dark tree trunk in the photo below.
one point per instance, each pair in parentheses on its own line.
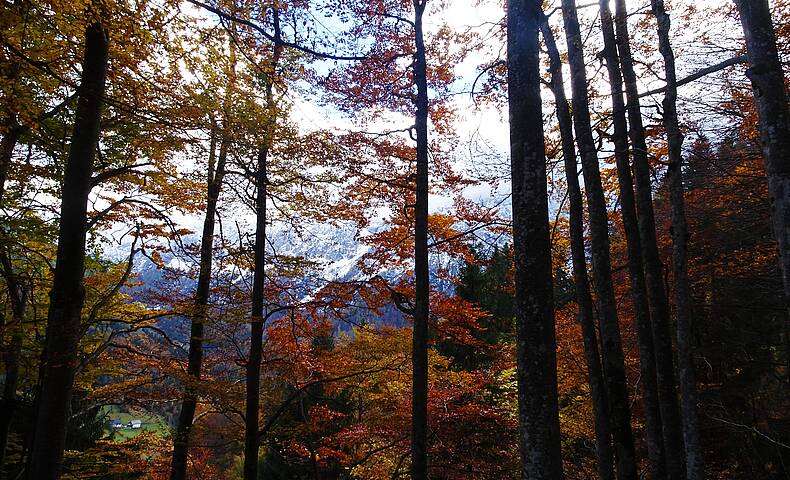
(17,294)
(539,437)
(613,358)
(216,173)
(13,131)
(584,299)
(767,77)
(657,293)
(253,371)
(647,360)
(68,293)
(694,465)
(419,408)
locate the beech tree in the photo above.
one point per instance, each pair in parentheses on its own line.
(65,311)
(694,466)
(584,298)
(611,341)
(539,437)
(770,93)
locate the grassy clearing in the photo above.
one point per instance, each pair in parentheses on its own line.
(150,423)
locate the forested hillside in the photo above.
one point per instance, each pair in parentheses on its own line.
(384,239)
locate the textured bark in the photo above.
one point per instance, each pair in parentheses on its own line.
(694,465)
(766,75)
(216,173)
(253,370)
(611,342)
(17,294)
(419,408)
(603,435)
(657,292)
(68,293)
(539,438)
(647,360)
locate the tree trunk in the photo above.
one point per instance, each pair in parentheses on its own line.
(7,145)
(766,75)
(539,437)
(603,435)
(694,465)
(647,359)
(68,292)
(17,294)
(253,371)
(216,174)
(419,433)
(613,358)
(657,293)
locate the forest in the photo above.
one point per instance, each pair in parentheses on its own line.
(394,239)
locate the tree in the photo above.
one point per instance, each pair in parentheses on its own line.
(539,438)
(612,349)
(63,322)
(638,287)
(694,466)
(581,279)
(770,94)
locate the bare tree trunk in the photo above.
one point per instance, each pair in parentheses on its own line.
(613,358)
(647,357)
(694,465)
(770,94)
(216,173)
(539,440)
(419,408)
(657,294)
(17,294)
(603,435)
(68,293)
(253,371)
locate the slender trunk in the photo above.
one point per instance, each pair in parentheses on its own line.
(770,94)
(647,359)
(216,173)
(603,435)
(68,292)
(694,465)
(253,371)
(613,358)
(657,293)
(17,294)
(539,438)
(419,408)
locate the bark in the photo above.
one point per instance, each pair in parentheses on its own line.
(657,292)
(7,145)
(216,174)
(694,466)
(539,438)
(68,292)
(419,433)
(770,94)
(613,358)
(638,287)
(253,371)
(17,294)
(603,435)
